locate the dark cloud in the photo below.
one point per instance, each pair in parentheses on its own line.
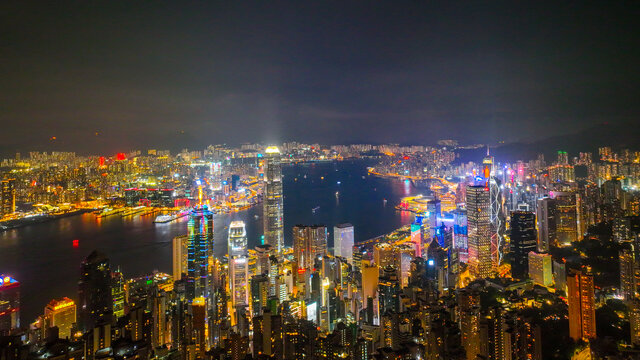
(176,74)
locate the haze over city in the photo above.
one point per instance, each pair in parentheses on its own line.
(114,76)
(319,180)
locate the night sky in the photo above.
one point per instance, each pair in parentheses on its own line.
(175,75)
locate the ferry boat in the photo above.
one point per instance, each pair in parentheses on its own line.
(164,218)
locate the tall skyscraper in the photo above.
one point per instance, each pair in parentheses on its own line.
(582,309)
(200,248)
(7,197)
(180,256)
(567,217)
(479,230)
(62,314)
(343,241)
(118,293)
(627,272)
(9,304)
(309,244)
(238,264)
(523,241)
(546,215)
(94,292)
(273,200)
(496,211)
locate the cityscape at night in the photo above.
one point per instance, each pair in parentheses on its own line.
(319,180)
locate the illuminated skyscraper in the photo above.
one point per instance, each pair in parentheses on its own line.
(523,241)
(94,292)
(238,264)
(496,212)
(118,293)
(7,197)
(546,215)
(200,248)
(582,309)
(540,268)
(273,200)
(627,272)
(180,256)
(9,304)
(343,241)
(479,228)
(567,217)
(62,314)
(309,244)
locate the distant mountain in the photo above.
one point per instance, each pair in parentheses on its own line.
(618,136)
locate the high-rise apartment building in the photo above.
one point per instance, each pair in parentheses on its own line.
(273,200)
(582,309)
(343,241)
(479,230)
(628,267)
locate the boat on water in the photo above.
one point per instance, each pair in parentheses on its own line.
(164,218)
(315,209)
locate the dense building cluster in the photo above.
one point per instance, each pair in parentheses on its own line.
(501,261)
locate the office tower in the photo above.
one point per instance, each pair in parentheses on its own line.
(60,313)
(118,293)
(582,310)
(259,285)
(180,257)
(416,235)
(496,213)
(523,241)
(627,272)
(9,304)
(160,336)
(388,291)
(199,311)
(7,197)
(200,248)
(309,244)
(343,241)
(238,264)
(567,217)
(263,253)
(460,231)
(273,200)
(434,213)
(479,227)
(540,268)
(94,292)
(546,215)
(237,240)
